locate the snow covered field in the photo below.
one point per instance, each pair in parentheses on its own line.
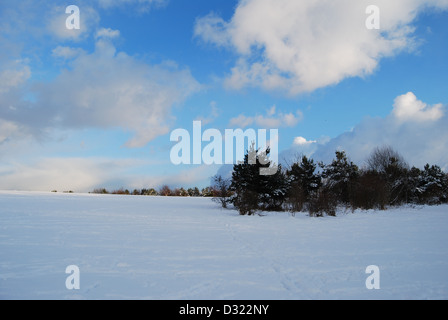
(130,247)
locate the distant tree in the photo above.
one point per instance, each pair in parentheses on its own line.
(194,192)
(183,192)
(152,192)
(121,191)
(148,192)
(165,191)
(207,192)
(100,191)
(221,190)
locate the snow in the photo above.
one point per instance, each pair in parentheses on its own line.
(132,247)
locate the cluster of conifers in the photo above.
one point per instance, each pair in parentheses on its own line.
(385,180)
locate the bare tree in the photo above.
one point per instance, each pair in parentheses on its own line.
(383,158)
(165,191)
(221,190)
(391,167)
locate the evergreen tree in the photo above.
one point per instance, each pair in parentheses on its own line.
(305,174)
(183,192)
(339,177)
(432,185)
(253,191)
(196,192)
(302,182)
(207,192)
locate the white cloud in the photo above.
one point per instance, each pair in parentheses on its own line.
(62,174)
(272,119)
(420,142)
(241,121)
(7,129)
(66,52)
(214,113)
(101,89)
(86,174)
(212,28)
(14,74)
(107,33)
(299,46)
(301,141)
(408,108)
(109,89)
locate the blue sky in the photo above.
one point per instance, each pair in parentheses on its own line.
(95,107)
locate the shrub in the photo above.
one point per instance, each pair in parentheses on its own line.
(323,202)
(221,191)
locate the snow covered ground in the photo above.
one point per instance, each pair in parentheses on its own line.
(130,247)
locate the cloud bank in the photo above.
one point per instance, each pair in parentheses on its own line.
(415,129)
(104,89)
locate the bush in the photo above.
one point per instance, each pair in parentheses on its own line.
(370,192)
(246,202)
(165,191)
(100,191)
(221,191)
(121,191)
(323,202)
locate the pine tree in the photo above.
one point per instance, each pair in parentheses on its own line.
(305,174)
(253,191)
(432,185)
(302,182)
(339,177)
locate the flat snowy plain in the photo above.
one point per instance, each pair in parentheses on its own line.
(131,247)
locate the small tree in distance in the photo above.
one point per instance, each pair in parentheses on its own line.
(165,191)
(221,191)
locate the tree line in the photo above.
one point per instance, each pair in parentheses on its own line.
(164,191)
(385,180)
